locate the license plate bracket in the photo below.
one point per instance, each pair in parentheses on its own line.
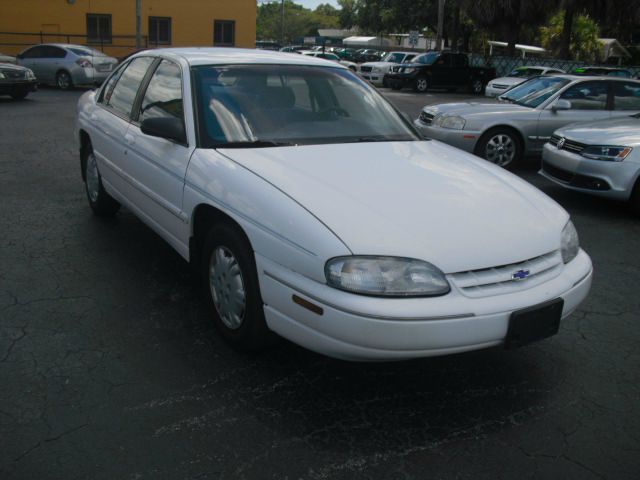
(534,323)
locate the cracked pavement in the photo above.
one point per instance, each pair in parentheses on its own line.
(110,368)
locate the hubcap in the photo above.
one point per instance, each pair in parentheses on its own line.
(63,80)
(227,287)
(422,84)
(93,177)
(477,86)
(500,150)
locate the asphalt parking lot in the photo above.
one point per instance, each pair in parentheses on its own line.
(110,368)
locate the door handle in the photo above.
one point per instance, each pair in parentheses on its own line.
(129,139)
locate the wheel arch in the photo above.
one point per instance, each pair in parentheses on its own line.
(204,216)
(85,143)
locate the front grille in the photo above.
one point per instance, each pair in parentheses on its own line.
(14,74)
(559,173)
(500,280)
(426,118)
(568,145)
(365,69)
(499,86)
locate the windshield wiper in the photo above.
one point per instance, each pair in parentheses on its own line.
(253,144)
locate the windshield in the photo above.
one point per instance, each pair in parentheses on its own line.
(525,72)
(86,51)
(426,59)
(535,91)
(267,105)
(393,57)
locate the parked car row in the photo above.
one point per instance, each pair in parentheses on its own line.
(546,114)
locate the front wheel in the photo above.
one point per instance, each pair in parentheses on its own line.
(634,200)
(421,85)
(102,204)
(19,94)
(232,290)
(500,146)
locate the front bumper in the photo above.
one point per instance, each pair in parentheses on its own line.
(7,87)
(360,328)
(606,179)
(399,80)
(463,139)
(374,78)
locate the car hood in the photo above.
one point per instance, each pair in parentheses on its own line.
(469,109)
(624,131)
(508,80)
(379,64)
(422,200)
(12,67)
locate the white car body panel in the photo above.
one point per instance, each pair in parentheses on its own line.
(303,205)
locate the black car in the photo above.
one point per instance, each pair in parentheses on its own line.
(602,71)
(16,81)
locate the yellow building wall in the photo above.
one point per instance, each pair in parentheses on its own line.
(191,21)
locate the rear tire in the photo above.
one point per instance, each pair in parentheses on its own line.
(232,290)
(63,80)
(421,85)
(102,204)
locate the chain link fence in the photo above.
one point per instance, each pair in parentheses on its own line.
(504,64)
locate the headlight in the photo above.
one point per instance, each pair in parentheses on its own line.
(30,75)
(454,122)
(2,75)
(606,152)
(409,70)
(386,276)
(570,243)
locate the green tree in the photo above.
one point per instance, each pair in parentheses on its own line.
(348,13)
(298,21)
(584,45)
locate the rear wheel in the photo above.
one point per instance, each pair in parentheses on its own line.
(232,290)
(63,80)
(501,146)
(421,85)
(477,86)
(102,204)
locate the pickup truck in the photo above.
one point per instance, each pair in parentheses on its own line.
(440,70)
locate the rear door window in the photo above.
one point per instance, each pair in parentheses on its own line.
(587,96)
(123,94)
(626,96)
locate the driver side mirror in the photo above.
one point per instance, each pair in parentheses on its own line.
(561,104)
(170,128)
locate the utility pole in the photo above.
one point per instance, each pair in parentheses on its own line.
(282,26)
(440,24)
(138,24)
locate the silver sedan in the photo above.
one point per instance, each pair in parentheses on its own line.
(66,65)
(524,118)
(600,158)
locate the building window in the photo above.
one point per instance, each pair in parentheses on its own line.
(160,30)
(98,28)
(224,33)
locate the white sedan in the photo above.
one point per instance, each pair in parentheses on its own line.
(498,86)
(314,210)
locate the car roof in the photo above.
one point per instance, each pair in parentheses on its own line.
(584,78)
(195,56)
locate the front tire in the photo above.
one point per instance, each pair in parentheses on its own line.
(19,94)
(634,200)
(421,85)
(231,286)
(102,204)
(500,146)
